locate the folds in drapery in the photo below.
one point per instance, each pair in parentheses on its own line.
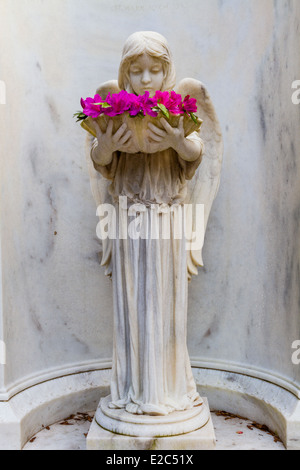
(151,368)
(150,178)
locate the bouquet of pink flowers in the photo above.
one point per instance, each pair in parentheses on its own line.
(124,106)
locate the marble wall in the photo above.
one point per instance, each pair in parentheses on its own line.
(56,301)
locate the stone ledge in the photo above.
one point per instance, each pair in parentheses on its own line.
(201,439)
(46,403)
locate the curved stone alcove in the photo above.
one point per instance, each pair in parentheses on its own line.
(56,309)
(46,403)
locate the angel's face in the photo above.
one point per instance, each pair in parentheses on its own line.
(146,73)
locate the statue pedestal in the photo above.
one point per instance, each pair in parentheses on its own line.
(202,438)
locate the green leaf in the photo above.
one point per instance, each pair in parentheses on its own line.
(80,116)
(194,117)
(163,110)
(103,105)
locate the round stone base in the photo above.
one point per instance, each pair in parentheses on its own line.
(119,421)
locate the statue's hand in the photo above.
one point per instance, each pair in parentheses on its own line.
(163,139)
(109,142)
(129,147)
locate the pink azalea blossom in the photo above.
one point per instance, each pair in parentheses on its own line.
(135,106)
(143,104)
(162,97)
(174,104)
(171,100)
(118,102)
(189,104)
(92,106)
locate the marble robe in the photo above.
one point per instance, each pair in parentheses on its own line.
(151,371)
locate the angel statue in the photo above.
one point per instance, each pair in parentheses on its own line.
(152,385)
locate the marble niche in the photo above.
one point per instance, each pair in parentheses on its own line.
(243,313)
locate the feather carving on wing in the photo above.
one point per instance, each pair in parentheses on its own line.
(203,187)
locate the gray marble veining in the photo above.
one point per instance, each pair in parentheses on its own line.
(244,305)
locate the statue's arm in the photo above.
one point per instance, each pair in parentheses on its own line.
(99,157)
(190,166)
(108,170)
(190,148)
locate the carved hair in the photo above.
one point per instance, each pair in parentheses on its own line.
(153,44)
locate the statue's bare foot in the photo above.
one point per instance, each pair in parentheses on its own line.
(133,408)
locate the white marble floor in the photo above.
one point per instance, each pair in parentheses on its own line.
(232,433)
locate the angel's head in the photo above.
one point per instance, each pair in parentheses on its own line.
(146,64)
